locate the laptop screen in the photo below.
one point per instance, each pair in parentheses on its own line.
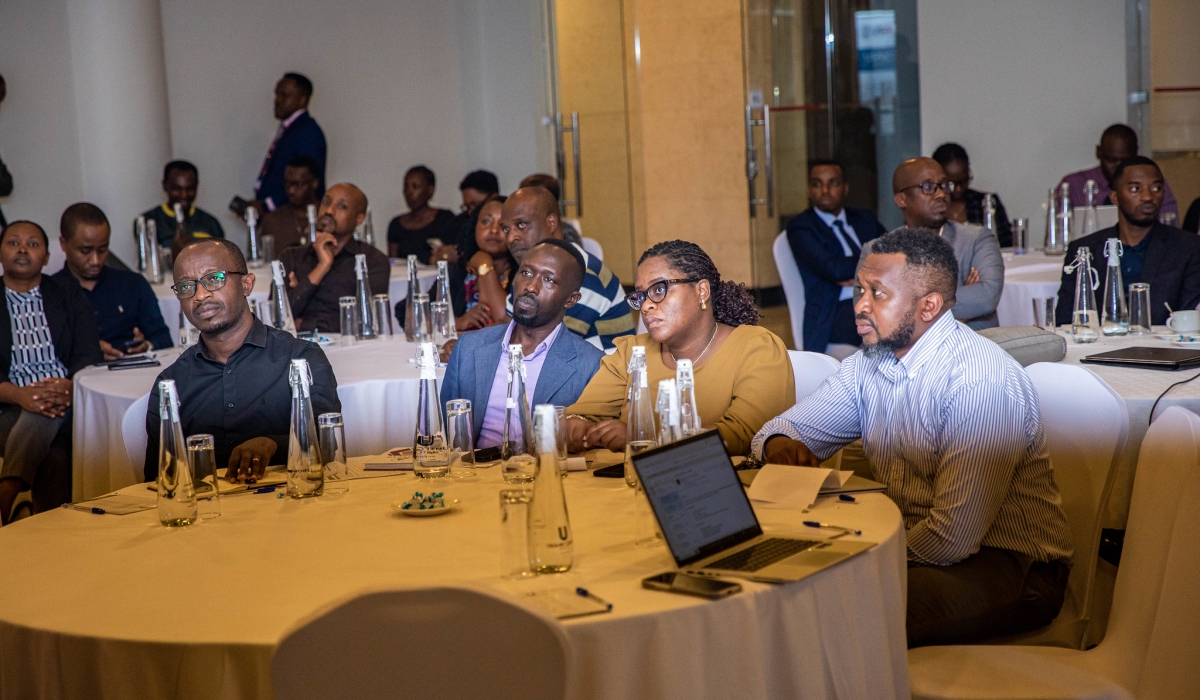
(697,497)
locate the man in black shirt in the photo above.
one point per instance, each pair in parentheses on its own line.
(322,271)
(181,182)
(234,382)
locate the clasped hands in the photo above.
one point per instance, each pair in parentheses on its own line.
(48,397)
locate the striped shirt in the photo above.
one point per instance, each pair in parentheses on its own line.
(33,356)
(954,432)
(601,313)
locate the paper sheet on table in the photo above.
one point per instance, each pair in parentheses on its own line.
(793,488)
(114,504)
(562,603)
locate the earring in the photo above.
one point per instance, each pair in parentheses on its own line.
(703,304)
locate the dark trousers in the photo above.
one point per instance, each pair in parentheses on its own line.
(37,450)
(843,330)
(993,592)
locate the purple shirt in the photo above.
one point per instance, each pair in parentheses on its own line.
(1078,181)
(492,432)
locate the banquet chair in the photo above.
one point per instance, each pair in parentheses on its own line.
(810,369)
(133,434)
(1148,652)
(793,291)
(434,643)
(593,247)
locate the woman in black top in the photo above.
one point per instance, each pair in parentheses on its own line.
(411,233)
(966,204)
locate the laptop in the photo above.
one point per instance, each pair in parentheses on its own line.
(1147,358)
(708,522)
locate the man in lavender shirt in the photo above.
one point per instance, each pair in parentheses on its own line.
(1117,143)
(558,363)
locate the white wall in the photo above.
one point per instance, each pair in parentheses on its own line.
(1026,86)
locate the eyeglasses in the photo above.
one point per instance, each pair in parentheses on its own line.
(928,187)
(212,282)
(656,293)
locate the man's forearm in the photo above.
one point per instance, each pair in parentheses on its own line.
(318,273)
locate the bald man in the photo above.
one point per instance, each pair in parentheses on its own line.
(922,191)
(322,271)
(530,216)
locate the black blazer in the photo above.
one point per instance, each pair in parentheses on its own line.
(823,264)
(1172,268)
(72,328)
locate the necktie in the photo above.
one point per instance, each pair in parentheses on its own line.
(853,247)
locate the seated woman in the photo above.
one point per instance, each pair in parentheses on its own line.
(743,373)
(412,233)
(480,281)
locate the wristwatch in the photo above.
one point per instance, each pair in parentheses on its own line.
(483,270)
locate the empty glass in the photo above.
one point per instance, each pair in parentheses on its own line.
(268,249)
(420,319)
(514,534)
(561,439)
(264,312)
(383,315)
(331,436)
(1020,236)
(348,306)
(460,438)
(204,474)
(1139,308)
(440,317)
(1168,218)
(1043,312)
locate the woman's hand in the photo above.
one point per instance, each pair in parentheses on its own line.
(609,434)
(476,317)
(479,258)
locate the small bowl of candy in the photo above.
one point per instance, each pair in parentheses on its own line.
(423,505)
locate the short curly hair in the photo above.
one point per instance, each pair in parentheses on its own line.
(732,304)
(930,253)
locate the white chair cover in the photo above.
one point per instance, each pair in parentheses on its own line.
(593,247)
(133,433)
(434,644)
(793,287)
(810,369)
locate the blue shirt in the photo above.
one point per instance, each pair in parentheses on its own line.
(1133,258)
(122,301)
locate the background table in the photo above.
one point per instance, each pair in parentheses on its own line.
(119,606)
(377,386)
(1025,277)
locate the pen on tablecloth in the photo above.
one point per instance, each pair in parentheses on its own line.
(827,526)
(98,511)
(847,498)
(586,594)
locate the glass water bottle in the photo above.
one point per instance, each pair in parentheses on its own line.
(1085,317)
(1091,218)
(411,299)
(639,431)
(281,308)
(1064,214)
(1115,314)
(176,489)
(1054,240)
(517,450)
(551,546)
(312,226)
(255,260)
(362,299)
(989,213)
(181,231)
(153,259)
(689,414)
(139,231)
(667,407)
(369,230)
(443,294)
(431,459)
(305,468)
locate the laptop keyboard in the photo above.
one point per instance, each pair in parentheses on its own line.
(762,554)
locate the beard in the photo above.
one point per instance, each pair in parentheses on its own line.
(1141,223)
(534,316)
(900,338)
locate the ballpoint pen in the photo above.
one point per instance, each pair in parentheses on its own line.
(587,594)
(827,526)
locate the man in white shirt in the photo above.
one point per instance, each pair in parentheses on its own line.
(950,423)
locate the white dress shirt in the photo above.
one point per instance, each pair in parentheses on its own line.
(847,250)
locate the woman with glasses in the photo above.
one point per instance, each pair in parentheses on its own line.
(743,374)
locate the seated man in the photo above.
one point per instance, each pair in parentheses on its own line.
(826,240)
(127,312)
(570,235)
(1117,143)
(181,181)
(922,193)
(1165,257)
(47,334)
(289,223)
(530,216)
(950,424)
(233,384)
(558,364)
(966,204)
(322,271)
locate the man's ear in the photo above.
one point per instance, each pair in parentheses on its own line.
(572,300)
(553,221)
(900,200)
(361,218)
(930,306)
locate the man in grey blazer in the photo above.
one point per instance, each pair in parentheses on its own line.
(922,191)
(558,363)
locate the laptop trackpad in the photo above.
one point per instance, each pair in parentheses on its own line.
(802,564)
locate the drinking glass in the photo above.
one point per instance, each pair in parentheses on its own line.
(268,249)
(1020,236)
(348,306)
(265,313)
(1043,312)
(439,312)
(514,534)
(167,257)
(331,436)
(383,316)
(460,439)
(1139,308)
(1168,218)
(204,473)
(560,440)
(420,319)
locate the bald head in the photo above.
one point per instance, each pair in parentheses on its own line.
(530,216)
(343,208)
(921,208)
(914,171)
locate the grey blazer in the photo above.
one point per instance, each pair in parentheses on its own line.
(568,367)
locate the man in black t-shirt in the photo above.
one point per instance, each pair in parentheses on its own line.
(181,180)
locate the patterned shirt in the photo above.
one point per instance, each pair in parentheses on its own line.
(33,356)
(954,432)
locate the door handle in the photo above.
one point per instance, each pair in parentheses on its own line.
(752,160)
(561,159)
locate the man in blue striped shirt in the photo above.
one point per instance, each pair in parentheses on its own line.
(531,215)
(950,423)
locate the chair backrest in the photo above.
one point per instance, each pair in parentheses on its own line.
(437,643)
(1154,556)
(810,369)
(133,433)
(793,288)
(593,247)
(1086,425)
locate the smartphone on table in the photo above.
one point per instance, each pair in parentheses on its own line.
(703,586)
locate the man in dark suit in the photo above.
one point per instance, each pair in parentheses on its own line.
(826,240)
(298,135)
(558,363)
(1165,257)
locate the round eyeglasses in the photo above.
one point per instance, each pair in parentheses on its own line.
(656,293)
(212,282)
(929,187)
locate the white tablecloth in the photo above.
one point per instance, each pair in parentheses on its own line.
(1026,277)
(103,606)
(376,384)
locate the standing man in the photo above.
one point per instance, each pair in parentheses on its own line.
(298,135)
(322,271)
(922,191)
(181,182)
(289,223)
(6,182)
(826,240)
(1117,143)
(127,313)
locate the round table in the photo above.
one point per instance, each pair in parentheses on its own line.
(1026,277)
(377,386)
(119,606)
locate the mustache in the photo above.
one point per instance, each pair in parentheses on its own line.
(864,319)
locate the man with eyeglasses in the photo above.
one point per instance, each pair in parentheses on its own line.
(922,191)
(233,384)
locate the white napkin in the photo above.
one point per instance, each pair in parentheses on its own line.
(793,488)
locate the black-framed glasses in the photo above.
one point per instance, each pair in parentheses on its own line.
(929,187)
(212,282)
(656,293)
